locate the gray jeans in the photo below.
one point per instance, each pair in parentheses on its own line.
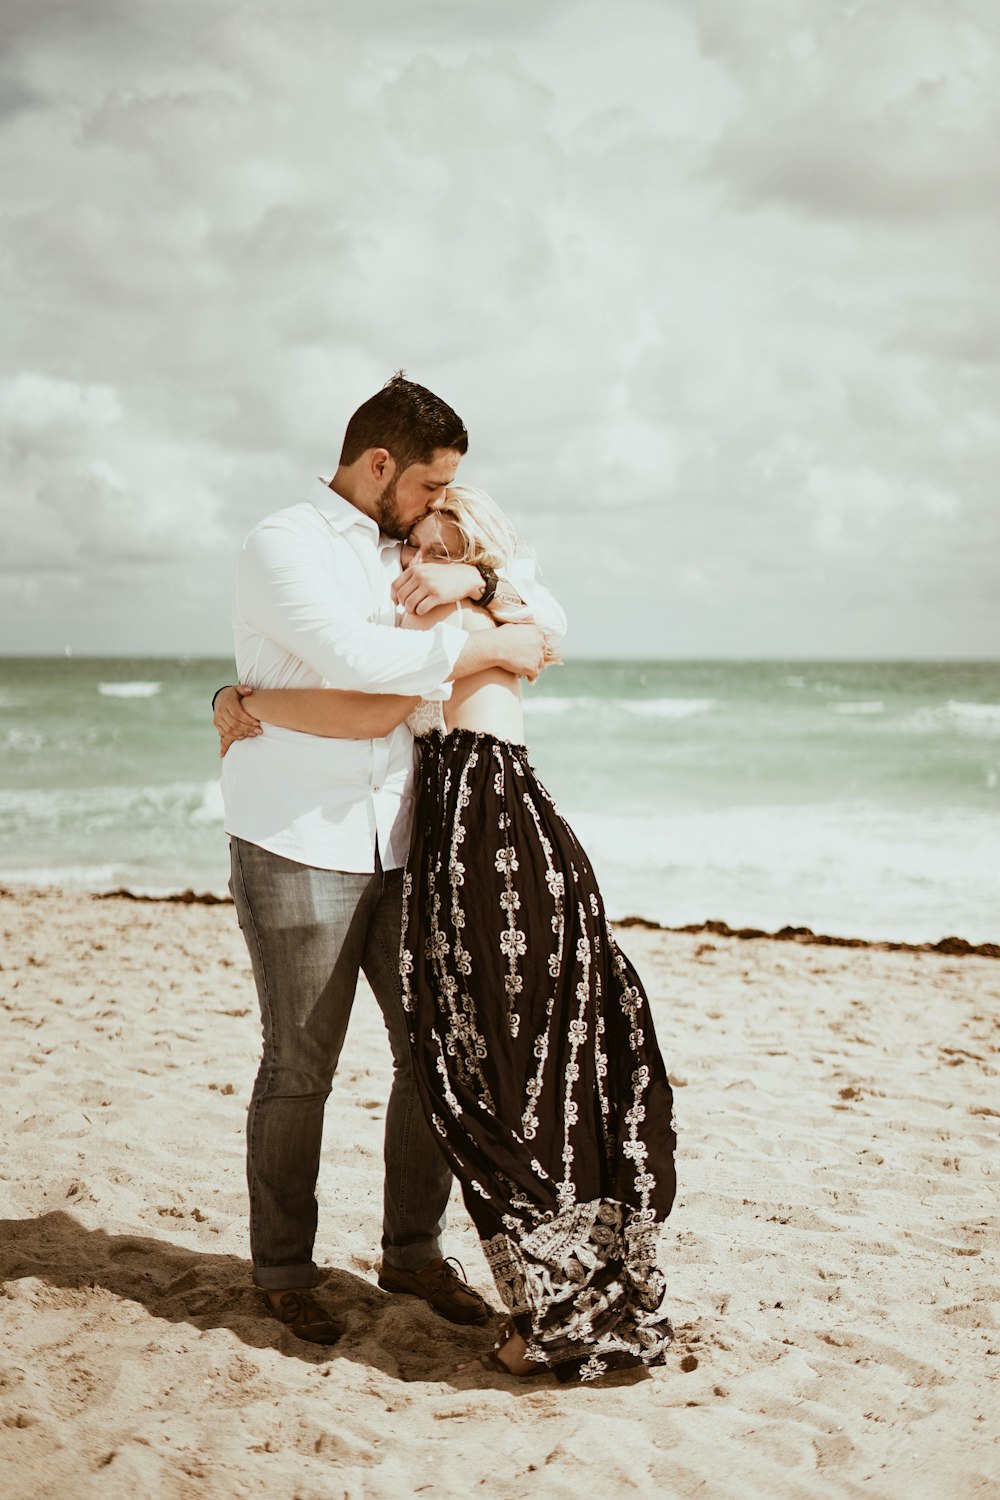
(309,931)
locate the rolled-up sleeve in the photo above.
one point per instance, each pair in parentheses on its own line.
(288,594)
(540,607)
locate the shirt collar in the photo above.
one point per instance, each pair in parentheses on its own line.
(342,515)
(336,511)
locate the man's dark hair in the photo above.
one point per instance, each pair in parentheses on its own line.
(406,419)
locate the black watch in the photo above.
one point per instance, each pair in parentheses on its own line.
(490,582)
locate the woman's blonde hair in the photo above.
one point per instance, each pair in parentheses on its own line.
(490,540)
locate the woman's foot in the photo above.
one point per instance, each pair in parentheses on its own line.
(507,1356)
(510,1356)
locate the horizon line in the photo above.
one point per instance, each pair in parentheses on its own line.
(184,656)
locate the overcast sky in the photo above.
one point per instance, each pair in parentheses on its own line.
(713,284)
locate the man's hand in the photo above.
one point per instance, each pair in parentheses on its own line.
(520,649)
(231,718)
(424,585)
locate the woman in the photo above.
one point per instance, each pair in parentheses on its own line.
(534,1046)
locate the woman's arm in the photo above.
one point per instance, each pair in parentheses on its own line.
(327,712)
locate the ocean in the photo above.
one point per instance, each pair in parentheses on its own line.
(859,799)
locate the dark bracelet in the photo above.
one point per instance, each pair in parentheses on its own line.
(222,689)
(490,582)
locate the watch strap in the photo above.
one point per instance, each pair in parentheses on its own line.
(490,581)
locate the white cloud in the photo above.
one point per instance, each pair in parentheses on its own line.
(707,283)
(883,112)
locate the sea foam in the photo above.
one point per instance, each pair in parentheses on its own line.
(984,716)
(646,708)
(666,708)
(852,869)
(967,718)
(128,689)
(210,809)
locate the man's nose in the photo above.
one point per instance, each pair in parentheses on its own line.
(437,502)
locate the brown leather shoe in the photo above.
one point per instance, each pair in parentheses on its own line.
(443,1286)
(302,1315)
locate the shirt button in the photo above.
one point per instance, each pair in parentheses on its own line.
(377,788)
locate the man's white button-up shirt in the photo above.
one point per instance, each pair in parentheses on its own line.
(313,608)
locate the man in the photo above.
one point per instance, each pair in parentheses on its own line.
(319,828)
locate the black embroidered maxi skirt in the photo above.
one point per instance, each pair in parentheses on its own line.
(536,1059)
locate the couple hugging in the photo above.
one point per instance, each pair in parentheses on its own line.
(383,816)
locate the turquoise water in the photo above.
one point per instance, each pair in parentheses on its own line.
(861,799)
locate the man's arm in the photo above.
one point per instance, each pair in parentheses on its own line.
(520,595)
(515,648)
(288,592)
(238,711)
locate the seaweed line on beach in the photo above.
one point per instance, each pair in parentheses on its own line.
(955,947)
(952,947)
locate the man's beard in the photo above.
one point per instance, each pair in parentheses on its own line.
(387,513)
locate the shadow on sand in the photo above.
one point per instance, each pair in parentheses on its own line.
(398,1335)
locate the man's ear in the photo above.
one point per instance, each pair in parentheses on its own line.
(381,464)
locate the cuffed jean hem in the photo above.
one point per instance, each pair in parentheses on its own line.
(412,1257)
(282,1278)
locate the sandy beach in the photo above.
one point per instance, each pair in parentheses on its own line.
(832,1260)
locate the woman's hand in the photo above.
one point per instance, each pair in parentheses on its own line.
(231,719)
